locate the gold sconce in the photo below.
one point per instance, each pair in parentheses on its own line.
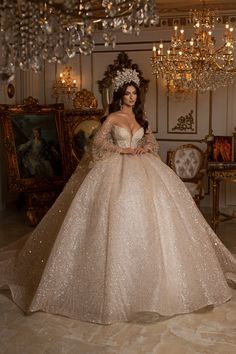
(65,85)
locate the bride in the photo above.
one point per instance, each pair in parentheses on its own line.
(124,236)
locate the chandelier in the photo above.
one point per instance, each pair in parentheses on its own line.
(52,30)
(196,64)
(65,85)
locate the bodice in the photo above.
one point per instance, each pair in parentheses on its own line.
(124,138)
(36,147)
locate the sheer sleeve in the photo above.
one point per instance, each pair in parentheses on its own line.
(149,142)
(103,142)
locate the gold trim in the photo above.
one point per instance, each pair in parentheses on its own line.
(227,109)
(181,140)
(167,112)
(44,83)
(210,112)
(105,84)
(84,99)
(55,70)
(157,105)
(81,71)
(218,175)
(92,72)
(129,50)
(177,8)
(56,79)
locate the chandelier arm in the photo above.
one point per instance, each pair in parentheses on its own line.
(33,31)
(97,19)
(82,12)
(196,65)
(219,49)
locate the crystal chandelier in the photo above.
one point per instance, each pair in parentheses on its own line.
(196,64)
(52,30)
(65,85)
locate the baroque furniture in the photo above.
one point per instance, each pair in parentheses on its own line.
(81,123)
(33,137)
(189,163)
(64,136)
(219,172)
(106,84)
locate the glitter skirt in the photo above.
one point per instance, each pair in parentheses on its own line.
(124,237)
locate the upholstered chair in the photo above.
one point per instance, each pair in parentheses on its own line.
(189,163)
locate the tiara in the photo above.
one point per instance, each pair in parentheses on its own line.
(124,77)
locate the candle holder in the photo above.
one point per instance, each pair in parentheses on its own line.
(65,85)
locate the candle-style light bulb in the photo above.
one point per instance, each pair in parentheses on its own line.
(154,50)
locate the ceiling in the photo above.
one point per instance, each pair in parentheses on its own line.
(175,6)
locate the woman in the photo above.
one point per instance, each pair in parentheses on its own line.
(35,156)
(123,237)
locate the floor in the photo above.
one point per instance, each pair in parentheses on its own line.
(212,331)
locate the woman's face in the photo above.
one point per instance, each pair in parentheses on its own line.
(36,133)
(130,96)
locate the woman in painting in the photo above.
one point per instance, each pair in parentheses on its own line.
(34,156)
(125,235)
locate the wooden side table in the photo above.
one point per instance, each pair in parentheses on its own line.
(220,172)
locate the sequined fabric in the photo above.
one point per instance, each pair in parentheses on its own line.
(123,237)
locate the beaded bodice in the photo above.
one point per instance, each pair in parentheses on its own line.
(124,138)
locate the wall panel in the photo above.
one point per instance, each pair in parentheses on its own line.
(87,70)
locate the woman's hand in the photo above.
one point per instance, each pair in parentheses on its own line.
(131,151)
(128,151)
(140,151)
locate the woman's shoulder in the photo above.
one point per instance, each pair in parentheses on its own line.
(112,118)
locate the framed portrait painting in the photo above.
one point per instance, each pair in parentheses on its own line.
(34,147)
(222,150)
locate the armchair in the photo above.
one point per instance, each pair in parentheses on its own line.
(189,163)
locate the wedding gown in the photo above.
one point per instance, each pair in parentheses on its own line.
(124,237)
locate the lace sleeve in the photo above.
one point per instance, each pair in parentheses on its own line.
(149,142)
(103,142)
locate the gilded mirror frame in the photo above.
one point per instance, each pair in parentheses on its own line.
(105,85)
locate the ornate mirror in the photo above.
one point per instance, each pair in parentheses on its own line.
(106,84)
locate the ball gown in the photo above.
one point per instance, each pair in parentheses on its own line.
(124,237)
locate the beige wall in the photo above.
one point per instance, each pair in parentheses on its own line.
(162,113)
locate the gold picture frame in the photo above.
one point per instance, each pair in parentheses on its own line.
(31,127)
(80,127)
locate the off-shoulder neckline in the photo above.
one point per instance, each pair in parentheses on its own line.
(129,131)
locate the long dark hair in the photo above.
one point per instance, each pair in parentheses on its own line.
(114,106)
